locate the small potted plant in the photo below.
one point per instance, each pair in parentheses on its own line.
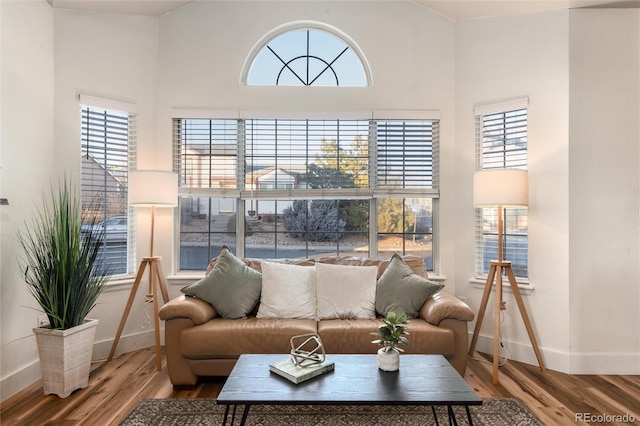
(391,335)
(64,271)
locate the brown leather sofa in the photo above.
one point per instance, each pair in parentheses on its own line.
(198,342)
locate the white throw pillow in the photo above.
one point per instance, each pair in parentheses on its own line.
(345,291)
(288,291)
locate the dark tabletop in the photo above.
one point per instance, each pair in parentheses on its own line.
(422,380)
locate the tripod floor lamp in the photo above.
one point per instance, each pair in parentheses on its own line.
(150,188)
(501,188)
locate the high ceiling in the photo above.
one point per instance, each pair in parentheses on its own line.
(454,9)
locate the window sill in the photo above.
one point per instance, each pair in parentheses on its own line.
(438,278)
(184,279)
(525,287)
(116,284)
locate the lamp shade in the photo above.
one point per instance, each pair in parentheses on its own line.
(501,187)
(153,188)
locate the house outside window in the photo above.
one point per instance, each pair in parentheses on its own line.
(501,143)
(306,187)
(108,140)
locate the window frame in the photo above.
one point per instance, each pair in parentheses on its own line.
(305,25)
(485,162)
(372,193)
(111,108)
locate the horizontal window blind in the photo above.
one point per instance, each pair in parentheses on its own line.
(501,142)
(206,153)
(108,152)
(406,154)
(306,154)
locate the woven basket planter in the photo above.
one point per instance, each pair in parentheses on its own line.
(65,357)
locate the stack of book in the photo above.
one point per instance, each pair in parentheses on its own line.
(290,371)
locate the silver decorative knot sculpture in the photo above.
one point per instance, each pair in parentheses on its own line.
(309,352)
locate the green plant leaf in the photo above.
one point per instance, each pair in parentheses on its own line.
(61,264)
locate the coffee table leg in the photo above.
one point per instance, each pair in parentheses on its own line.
(435,416)
(452,416)
(245,413)
(226,415)
(466,407)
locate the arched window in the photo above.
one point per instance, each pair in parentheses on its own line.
(306,54)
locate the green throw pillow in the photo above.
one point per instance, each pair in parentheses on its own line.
(231,287)
(400,289)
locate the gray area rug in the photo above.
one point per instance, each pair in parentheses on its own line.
(200,412)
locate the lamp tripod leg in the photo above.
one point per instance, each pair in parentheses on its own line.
(162,282)
(483,307)
(156,320)
(525,316)
(496,324)
(132,296)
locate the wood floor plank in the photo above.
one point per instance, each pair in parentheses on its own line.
(116,387)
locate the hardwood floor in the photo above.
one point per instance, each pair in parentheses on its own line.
(116,387)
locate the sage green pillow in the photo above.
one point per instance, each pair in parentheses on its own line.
(399,289)
(231,287)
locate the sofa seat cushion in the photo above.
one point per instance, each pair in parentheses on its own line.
(226,338)
(344,336)
(354,336)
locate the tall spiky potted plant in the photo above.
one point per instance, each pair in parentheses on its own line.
(64,272)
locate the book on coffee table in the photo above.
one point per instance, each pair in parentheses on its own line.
(287,369)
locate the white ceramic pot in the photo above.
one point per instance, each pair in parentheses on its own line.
(388,361)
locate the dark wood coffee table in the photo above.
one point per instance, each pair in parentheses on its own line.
(422,380)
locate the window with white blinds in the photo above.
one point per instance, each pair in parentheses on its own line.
(108,138)
(501,142)
(343,170)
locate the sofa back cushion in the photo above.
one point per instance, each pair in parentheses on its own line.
(416,263)
(399,289)
(231,287)
(257,263)
(345,291)
(288,291)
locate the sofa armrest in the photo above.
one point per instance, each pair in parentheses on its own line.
(443,306)
(195,309)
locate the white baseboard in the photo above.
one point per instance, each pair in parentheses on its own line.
(20,379)
(29,374)
(129,343)
(564,361)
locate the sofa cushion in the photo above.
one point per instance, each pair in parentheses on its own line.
(225,338)
(288,291)
(231,287)
(345,291)
(256,264)
(415,262)
(400,290)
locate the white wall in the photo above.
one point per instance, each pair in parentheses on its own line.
(412,61)
(114,57)
(604,196)
(580,71)
(26,165)
(499,59)
(104,55)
